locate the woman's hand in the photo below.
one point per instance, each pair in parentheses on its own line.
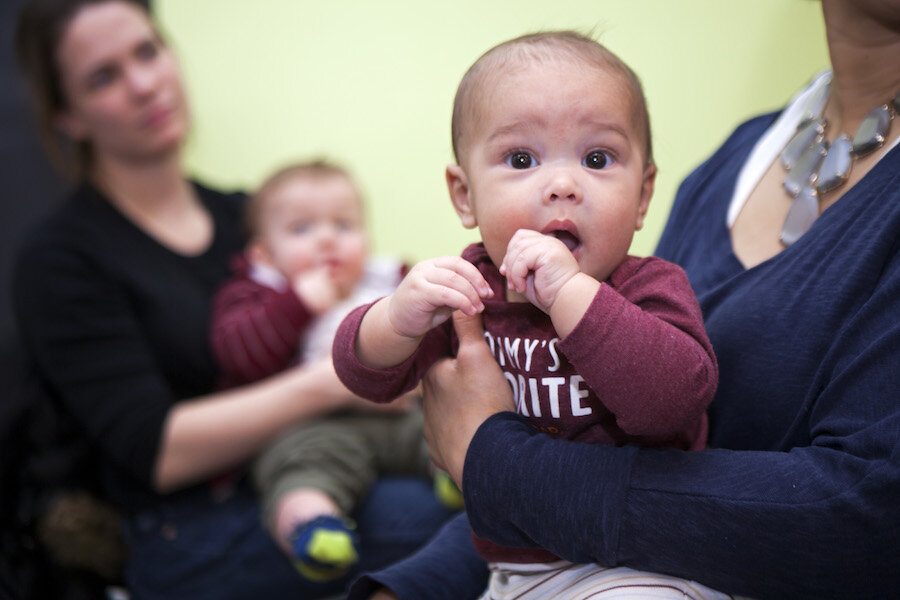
(338,397)
(460,394)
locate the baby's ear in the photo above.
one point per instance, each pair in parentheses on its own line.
(458,186)
(647,184)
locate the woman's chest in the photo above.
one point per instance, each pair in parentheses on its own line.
(778,332)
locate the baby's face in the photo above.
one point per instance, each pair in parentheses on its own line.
(553,148)
(315,222)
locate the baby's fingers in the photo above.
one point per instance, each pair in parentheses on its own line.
(521,258)
(462,276)
(456,283)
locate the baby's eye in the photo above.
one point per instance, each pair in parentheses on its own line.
(299,227)
(597,160)
(520,160)
(344,225)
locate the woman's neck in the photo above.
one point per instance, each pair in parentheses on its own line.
(144,188)
(863,49)
(158,198)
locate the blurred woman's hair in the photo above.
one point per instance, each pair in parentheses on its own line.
(40,28)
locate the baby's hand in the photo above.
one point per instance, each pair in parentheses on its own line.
(317,289)
(432,290)
(537,266)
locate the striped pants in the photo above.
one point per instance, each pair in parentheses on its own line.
(566,581)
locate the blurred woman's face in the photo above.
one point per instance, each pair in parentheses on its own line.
(121,83)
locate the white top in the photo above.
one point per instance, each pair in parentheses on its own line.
(380,277)
(771,144)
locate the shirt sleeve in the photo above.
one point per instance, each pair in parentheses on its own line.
(255,330)
(82,332)
(642,343)
(447,568)
(814,521)
(383,385)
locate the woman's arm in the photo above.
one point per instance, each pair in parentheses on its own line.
(460,393)
(811,523)
(204,436)
(81,325)
(447,568)
(808,522)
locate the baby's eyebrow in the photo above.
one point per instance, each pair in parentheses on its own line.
(523,126)
(609,126)
(511,128)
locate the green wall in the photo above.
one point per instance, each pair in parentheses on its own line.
(371,84)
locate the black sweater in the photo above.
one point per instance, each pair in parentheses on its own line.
(118,324)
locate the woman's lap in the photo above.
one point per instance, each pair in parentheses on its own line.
(201,548)
(399,515)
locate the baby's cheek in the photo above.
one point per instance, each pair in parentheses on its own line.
(295,261)
(352,273)
(496,240)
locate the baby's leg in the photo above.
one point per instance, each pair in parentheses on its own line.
(296,507)
(309,479)
(400,447)
(398,442)
(329,455)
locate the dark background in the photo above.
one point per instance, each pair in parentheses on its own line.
(29,190)
(29,187)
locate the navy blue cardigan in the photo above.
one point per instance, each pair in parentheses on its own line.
(799,494)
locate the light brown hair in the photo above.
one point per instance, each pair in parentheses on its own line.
(314,169)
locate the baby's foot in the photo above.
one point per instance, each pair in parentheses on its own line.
(325,548)
(446,491)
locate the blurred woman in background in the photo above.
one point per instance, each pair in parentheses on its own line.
(112,294)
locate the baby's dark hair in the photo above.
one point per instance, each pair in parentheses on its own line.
(539,47)
(314,169)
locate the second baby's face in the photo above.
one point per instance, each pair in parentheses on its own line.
(315,222)
(553,147)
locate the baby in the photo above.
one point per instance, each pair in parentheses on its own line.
(554,167)
(305,267)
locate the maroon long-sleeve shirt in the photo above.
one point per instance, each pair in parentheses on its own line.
(637,369)
(260,325)
(255,329)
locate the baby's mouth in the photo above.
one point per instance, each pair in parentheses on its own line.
(569,239)
(565,232)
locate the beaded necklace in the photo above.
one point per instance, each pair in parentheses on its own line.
(815,167)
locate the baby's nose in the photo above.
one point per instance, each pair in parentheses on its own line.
(563,185)
(326,234)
